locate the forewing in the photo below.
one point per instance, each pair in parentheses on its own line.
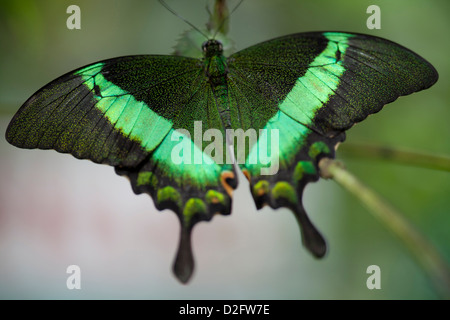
(114,112)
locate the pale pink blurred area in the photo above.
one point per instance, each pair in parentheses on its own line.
(57,211)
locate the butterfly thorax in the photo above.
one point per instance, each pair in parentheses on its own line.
(215,65)
(216,70)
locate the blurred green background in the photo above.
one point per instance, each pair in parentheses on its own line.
(56,211)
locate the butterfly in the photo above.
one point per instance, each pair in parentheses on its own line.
(177,127)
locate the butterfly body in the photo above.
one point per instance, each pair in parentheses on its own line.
(216,70)
(168,122)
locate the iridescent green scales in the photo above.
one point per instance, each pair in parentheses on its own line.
(296,94)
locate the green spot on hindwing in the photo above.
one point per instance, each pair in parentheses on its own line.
(318,148)
(169,194)
(193,206)
(284,190)
(147,178)
(261,188)
(302,168)
(214,197)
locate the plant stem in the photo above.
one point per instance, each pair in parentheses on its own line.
(420,159)
(425,253)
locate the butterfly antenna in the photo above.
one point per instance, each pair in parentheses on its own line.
(165,5)
(226,18)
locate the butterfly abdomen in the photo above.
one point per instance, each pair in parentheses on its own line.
(220,93)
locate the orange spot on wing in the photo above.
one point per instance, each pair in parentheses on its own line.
(223,179)
(246,174)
